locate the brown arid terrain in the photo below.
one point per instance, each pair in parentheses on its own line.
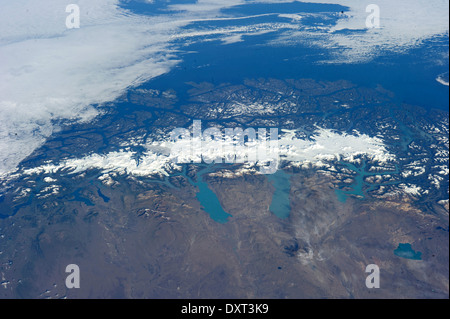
(151,241)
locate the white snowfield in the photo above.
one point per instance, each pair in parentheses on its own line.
(322,151)
(166,156)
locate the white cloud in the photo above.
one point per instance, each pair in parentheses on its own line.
(294,17)
(404,24)
(206,5)
(443,79)
(232,39)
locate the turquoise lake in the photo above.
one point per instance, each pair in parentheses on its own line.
(406,251)
(281,205)
(209,201)
(359,187)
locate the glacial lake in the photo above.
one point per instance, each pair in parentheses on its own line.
(281,204)
(406,251)
(209,201)
(359,187)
